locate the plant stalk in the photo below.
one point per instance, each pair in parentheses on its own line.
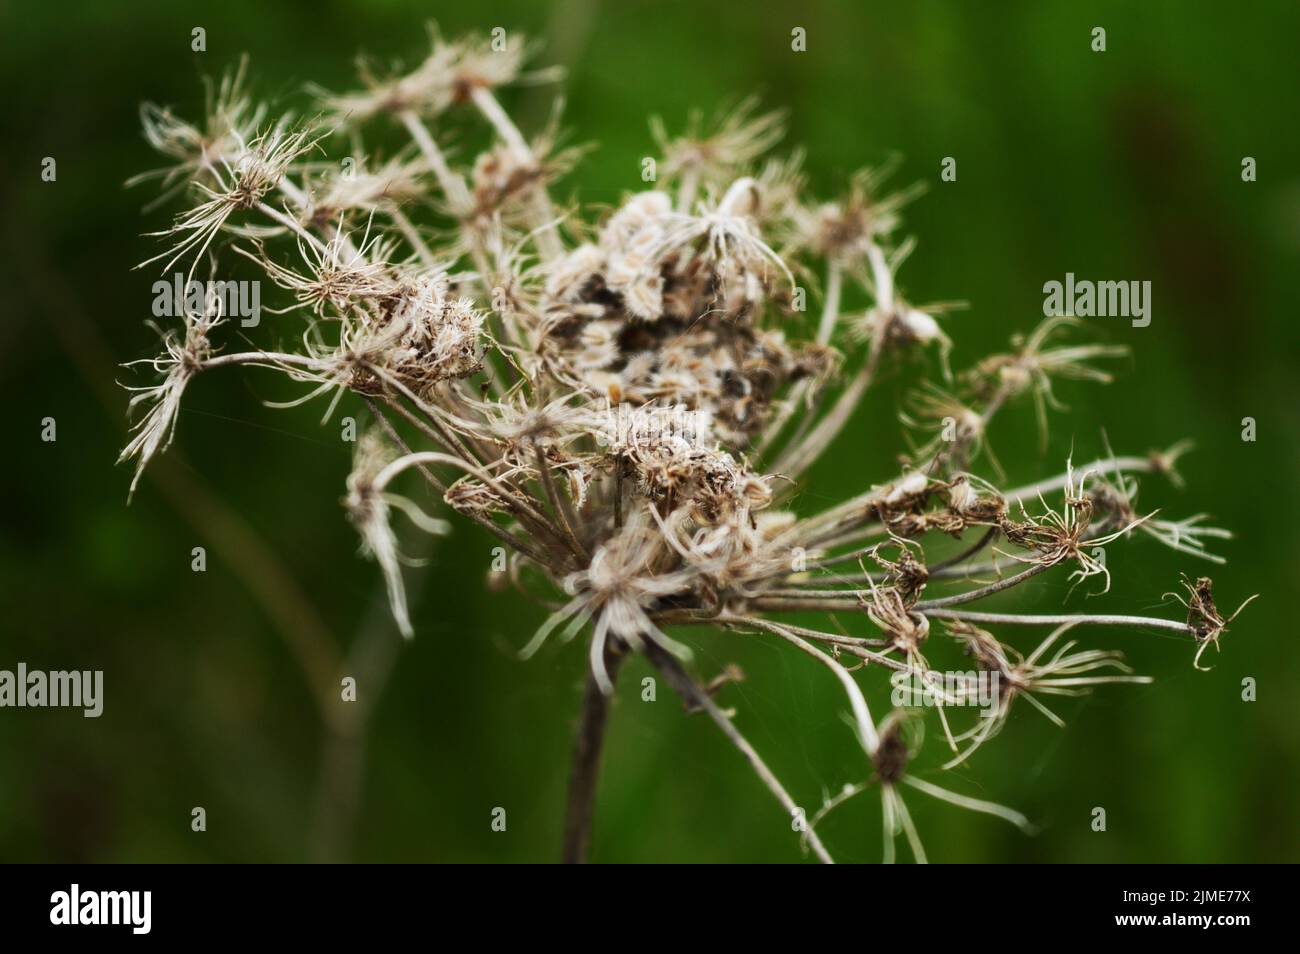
(584,774)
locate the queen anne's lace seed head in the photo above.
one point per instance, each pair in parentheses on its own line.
(628,400)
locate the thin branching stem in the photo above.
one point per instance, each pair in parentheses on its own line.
(696,698)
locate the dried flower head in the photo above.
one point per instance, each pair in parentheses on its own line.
(630,400)
(1203,617)
(184,355)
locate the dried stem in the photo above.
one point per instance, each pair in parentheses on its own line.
(695,697)
(1059,619)
(584,773)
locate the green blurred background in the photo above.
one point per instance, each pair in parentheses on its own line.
(1120,165)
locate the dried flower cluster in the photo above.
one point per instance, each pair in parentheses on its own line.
(630,400)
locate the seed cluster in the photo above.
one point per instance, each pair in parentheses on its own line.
(631,399)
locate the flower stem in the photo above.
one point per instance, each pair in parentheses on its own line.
(697,698)
(1060,619)
(584,774)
